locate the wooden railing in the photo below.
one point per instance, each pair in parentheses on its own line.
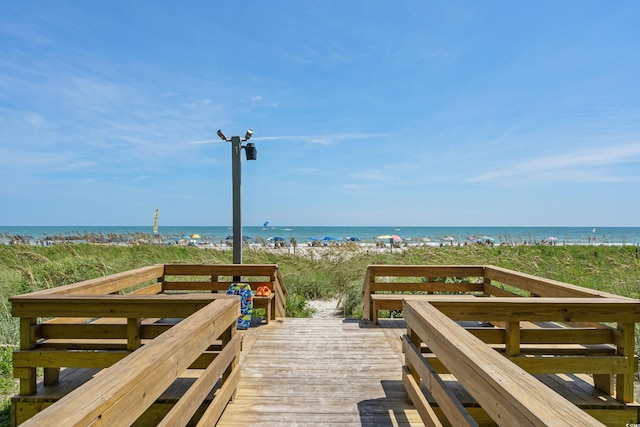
(100,322)
(385,286)
(126,390)
(509,395)
(221,276)
(522,324)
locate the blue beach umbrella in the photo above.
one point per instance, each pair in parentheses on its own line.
(329,238)
(352,239)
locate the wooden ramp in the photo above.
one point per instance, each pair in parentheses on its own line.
(335,372)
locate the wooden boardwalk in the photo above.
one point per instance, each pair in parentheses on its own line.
(336,372)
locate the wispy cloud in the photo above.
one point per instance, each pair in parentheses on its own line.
(592,165)
(326,139)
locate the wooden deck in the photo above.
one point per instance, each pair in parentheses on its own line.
(329,372)
(334,372)
(325,371)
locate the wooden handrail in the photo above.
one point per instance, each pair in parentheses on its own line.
(492,280)
(127,302)
(426,270)
(124,306)
(506,392)
(121,393)
(539,309)
(106,284)
(541,286)
(220,269)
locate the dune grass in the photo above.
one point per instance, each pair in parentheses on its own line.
(336,272)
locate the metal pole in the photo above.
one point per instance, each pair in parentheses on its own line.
(236,147)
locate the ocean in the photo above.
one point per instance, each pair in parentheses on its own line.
(302,234)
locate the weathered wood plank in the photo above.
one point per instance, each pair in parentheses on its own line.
(333,372)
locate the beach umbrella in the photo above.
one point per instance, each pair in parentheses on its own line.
(396,238)
(277,239)
(329,238)
(386,236)
(552,239)
(353,239)
(194,236)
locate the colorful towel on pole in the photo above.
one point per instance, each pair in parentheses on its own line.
(246,303)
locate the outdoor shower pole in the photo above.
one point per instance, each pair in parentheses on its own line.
(236,176)
(236,173)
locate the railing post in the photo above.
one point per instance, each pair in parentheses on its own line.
(28,385)
(415,339)
(366,296)
(512,338)
(161,281)
(226,338)
(134,341)
(624,382)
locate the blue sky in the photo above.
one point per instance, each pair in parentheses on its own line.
(364,113)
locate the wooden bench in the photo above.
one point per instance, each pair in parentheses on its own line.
(220,277)
(386,286)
